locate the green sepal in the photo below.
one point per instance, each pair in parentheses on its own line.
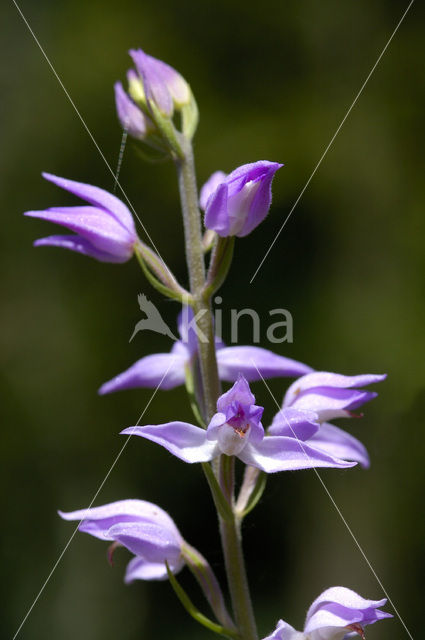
(221,259)
(194,612)
(221,504)
(167,129)
(190,117)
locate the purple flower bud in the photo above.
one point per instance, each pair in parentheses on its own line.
(105,230)
(338,611)
(161,83)
(140,526)
(236,204)
(130,116)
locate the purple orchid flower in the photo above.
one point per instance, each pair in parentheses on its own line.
(330,395)
(143,528)
(336,614)
(161,83)
(236,429)
(130,116)
(169,368)
(105,230)
(235,204)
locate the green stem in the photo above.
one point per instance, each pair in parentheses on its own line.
(195,260)
(201,302)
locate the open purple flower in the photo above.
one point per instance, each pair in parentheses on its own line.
(236,429)
(235,204)
(143,528)
(130,116)
(104,230)
(170,367)
(336,614)
(161,83)
(330,395)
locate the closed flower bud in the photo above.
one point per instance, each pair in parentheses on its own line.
(235,205)
(130,115)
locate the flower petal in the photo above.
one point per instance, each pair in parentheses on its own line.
(79,245)
(240,393)
(184,440)
(339,607)
(150,541)
(142,569)
(254,362)
(331,403)
(210,186)
(278,453)
(130,116)
(328,379)
(294,423)
(96,197)
(166,369)
(98,520)
(340,444)
(284,631)
(216,215)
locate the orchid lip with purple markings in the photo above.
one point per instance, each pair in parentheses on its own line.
(236,429)
(235,204)
(143,528)
(168,369)
(104,230)
(337,612)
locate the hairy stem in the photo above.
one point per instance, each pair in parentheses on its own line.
(201,302)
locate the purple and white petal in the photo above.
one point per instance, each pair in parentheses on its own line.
(98,198)
(79,245)
(339,607)
(328,379)
(284,631)
(98,520)
(164,369)
(210,186)
(184,440)
(294,423)
(150,541)
(278,453)
(130,116)
(255,363)
(331,403)
(239,393)
(142,569)
(100,228)
(340,444)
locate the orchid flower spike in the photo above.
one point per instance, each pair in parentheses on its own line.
(143,528)
(336,614)
(236,430)
(168,369)
(235,204)
(104,230)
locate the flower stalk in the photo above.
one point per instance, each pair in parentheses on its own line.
(229,527)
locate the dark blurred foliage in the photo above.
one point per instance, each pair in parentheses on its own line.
(273,80)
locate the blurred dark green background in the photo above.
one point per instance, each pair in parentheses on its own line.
(273,81)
